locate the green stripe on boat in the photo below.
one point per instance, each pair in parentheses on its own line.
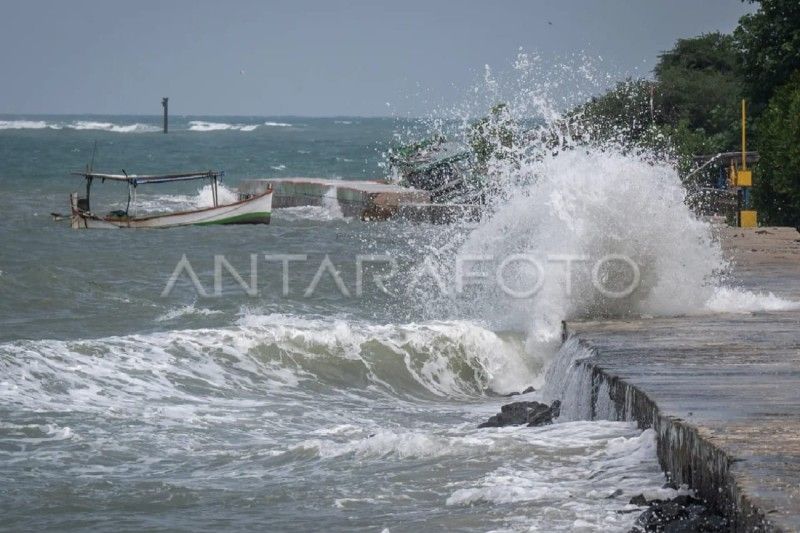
(246,218)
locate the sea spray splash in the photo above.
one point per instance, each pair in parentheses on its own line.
(572,201)
(593,204)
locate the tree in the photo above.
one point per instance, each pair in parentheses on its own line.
(624,114)
(769,41)
(699,90)
(777,179)
(692,105)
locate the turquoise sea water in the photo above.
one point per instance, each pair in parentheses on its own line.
(124,409)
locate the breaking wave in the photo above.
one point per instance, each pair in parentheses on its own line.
(262,354)
(27,125)
(200,125)
(137,127)
(116,128)
(78,125)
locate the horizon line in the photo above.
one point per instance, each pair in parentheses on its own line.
(159,115)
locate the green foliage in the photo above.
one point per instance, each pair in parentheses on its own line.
(693,104)
(623,114)
(698,87)
(777,177)
(492,137)
(769,41)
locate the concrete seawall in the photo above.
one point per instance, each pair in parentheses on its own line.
(367,200)
(722,391)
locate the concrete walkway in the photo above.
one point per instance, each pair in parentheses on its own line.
(721,390)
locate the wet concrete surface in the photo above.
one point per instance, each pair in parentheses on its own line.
(722,390)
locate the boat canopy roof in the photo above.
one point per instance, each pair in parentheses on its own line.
(136,179)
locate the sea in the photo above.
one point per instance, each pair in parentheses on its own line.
(320,373)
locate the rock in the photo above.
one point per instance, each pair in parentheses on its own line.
(544,416)
(518,413)
(683,514)
(526,391)
(660,514)
(512,414)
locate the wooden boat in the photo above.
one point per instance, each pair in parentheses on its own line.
(249,209)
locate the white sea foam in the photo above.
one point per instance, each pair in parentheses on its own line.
(384,443)
(447,359)
(115,128)
(308,212)
(79,125)
(27,125)
(601,474)
(278,124)
(159,203)
(200,125)
(735,300)
(330,202)
(186,310)
(205,197)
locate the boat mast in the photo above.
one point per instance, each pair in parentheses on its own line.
(130,191)
(89,169)
(88,189)
(214,191)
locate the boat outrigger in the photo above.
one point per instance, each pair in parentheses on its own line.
(249,209)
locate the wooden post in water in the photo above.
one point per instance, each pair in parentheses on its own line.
(165,105)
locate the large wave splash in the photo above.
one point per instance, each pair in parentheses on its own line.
(562,191)
(592,204)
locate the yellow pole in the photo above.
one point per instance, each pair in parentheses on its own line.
(744,134)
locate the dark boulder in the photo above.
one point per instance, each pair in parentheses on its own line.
(526,391)
(544,415)
(641,501)
(518,413)
(683,514)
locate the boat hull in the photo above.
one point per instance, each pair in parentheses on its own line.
(254,210)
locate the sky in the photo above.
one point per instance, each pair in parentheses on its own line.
(312,57)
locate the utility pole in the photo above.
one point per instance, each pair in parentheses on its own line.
(165,105)
(748,218)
